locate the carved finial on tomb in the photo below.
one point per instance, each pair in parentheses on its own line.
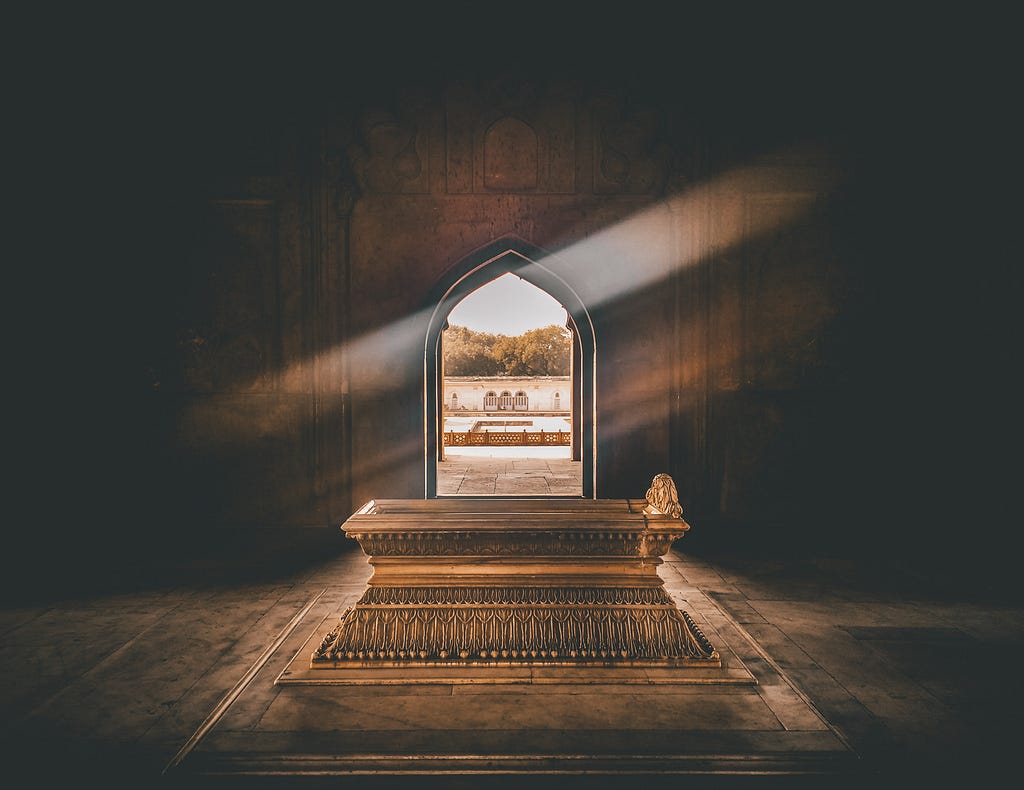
(662,498)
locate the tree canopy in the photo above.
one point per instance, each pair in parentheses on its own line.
(539,352)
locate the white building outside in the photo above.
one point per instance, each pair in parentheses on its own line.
(508,394)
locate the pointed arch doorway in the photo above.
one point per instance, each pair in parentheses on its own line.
(526,261)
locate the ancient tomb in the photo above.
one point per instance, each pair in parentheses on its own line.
(516,582)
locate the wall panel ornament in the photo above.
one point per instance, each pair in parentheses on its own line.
(391,154)
(505,137)
(630,156)
(510,155)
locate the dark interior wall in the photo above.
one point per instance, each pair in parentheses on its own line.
(289,373)
(444,174)
(752,221)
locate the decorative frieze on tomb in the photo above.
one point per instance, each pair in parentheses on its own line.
(517,582)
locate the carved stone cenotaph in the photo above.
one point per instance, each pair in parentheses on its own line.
(516,582)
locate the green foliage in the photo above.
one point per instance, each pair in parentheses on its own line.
(538,352)
(469,353)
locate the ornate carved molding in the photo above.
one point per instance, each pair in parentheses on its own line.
(526,544)
(509,136)
(391,153)
(516,596)
(592,634)
(564,582)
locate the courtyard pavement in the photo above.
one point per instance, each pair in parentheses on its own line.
(509,471)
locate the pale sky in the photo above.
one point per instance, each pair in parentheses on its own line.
(507,306)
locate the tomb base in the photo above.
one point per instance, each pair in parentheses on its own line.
(507,583)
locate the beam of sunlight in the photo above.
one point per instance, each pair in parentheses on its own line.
(684,229)
(695,226)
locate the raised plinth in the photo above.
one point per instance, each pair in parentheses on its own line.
(514,582)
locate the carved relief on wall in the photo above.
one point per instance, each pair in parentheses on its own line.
(630,156)
(510,155)
(391,153)
(509,136)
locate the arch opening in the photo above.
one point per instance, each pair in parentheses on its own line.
(576,391)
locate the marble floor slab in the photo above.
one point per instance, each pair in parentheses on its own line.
(898,675)
(509,471)
(290,721)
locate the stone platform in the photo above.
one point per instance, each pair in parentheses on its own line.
(527,638)
(498,587)
(752,721)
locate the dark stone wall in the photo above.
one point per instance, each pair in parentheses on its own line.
(464,190)
(752,225)
(290,367)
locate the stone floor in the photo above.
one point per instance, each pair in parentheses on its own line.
(509,471)
(118,680)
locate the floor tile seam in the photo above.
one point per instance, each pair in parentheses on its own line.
(243,682)
(804,697)
(602,728)
(911,680)
(810,661)
(216,661)
(876,653)
(865,713)
(273,693)
(126,645)
(14,628)
(949,620)
(335,611)
(258,718)
(74,610)
(139,735)
(871,680)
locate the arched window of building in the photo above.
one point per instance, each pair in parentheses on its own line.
(556,401)
(455,400)
(521,402)
(506,400)
(490,400)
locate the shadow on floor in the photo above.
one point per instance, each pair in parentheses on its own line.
(217,557)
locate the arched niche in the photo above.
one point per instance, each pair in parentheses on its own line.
(537,267)
(510,155)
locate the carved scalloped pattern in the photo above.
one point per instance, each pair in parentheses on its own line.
(511,596)
(520,633)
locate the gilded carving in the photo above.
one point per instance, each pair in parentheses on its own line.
(515,632)
(662,497)
(426,544)
(518,582)
(515,596)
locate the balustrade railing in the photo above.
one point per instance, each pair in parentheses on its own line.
(506,438)
(504,403)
